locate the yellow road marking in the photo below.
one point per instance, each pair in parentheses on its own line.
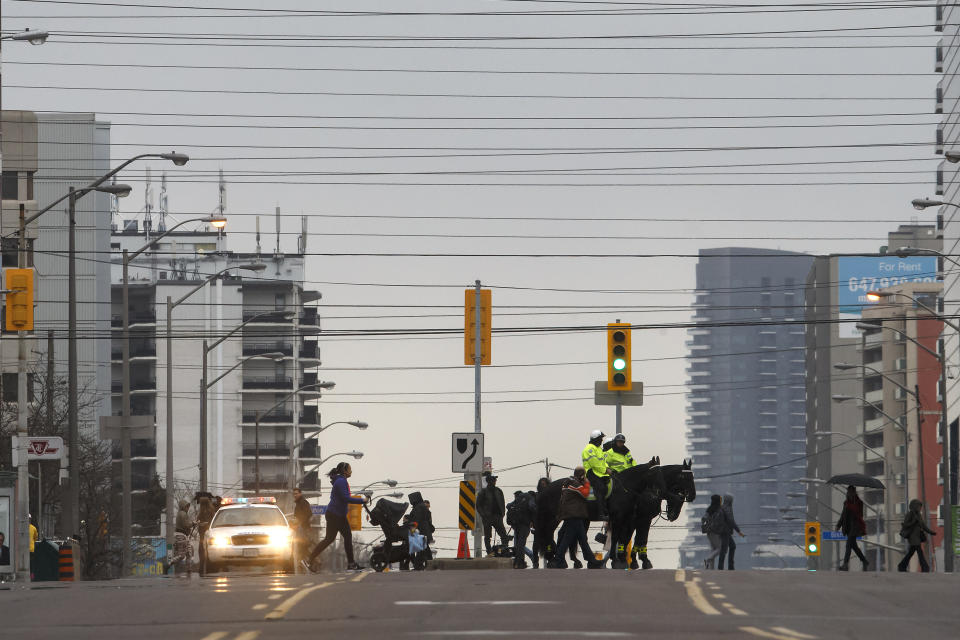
(248,635)
(258,607)
(216,635)
(699,601)
(284,607)
(359,577)
(732,609)
(275,596)
(760,633)
(719,596)
(680,575)
(791,632)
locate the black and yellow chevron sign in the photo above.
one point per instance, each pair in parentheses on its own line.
(468,505)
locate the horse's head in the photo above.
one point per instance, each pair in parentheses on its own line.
(680,487)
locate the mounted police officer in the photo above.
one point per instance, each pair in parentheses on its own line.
(617,456)
(597,472)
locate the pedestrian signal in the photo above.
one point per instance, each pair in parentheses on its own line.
(618,357)
(812,537)
(19,309)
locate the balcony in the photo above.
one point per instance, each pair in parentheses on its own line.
(310,351)
(876,397)
(136,384)
(309,317)
(136,317)
(310,449)
(266,316)
(308,379)
(256,348)
(276,382)
(267,483)
(136,351)
(868,455)
(309,415)
(138,449)
(275,449)
(274,417)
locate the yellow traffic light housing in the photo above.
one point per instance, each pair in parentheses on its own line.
(470,326)
(811,538)
(19,308)
(618,357)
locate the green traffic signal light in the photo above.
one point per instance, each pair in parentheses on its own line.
(812,547)
(619,364)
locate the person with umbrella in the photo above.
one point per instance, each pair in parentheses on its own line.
(852,524)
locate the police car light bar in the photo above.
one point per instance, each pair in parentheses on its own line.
(257,500)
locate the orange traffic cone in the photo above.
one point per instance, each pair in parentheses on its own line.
(463,549)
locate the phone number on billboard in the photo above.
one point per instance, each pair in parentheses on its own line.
(872,284)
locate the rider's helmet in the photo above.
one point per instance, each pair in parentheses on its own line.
(596,433)
(619,438)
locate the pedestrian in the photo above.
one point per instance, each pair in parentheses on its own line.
(915,530)
(420,513)
(594,462)
(573,513)
(34,536)
(182,551)
(336,517)
(205,513)
(303,513)
(852,524)
(713,523)
(491,507)
(520,515)
(727,543)
(4,551)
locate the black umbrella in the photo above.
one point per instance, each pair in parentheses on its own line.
(857,480)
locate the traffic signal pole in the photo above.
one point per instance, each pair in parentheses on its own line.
(23,477)
(477,359)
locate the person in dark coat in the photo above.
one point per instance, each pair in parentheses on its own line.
(492,508)
(420,513)
(714,525)
(915,530)
(303,514)
(573,512)
(520,516)
(852,524)
(730,526)
(4,551)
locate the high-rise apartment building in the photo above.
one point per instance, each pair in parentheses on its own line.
(271,355)
(746,415)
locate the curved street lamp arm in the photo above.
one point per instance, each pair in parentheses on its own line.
(228,371)
(890,379)
(154,240)
(209,279)
(213,345)
(915,341)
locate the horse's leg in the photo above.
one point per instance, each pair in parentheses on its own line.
(640,541)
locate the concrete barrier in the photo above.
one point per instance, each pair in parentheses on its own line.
(454,564)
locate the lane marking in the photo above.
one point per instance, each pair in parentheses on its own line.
(719,596)
(216,635)
(680,575)
(274,596)
(732,609)
(791,632)
(520,634)
(248,635)
(258,607)
(284,607)
(698,600)
(454,603)
(359,577)
(760,633)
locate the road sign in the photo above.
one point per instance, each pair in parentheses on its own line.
(955,521)
(140,427)
(632,398)
(40,448)
(468,505)
(487,464)
(836,536)
(318,509)
(467,452)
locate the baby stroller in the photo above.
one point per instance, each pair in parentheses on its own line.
(400,543)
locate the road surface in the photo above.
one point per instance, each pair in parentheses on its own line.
(693,605)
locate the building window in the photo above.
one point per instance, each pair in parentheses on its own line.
(9,185)
(10,387)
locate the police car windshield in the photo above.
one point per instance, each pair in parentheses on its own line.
(248,517)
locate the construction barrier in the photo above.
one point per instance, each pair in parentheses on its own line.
(66,563)
(463,549)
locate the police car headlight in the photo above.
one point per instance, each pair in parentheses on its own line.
(280,538)
(219,541)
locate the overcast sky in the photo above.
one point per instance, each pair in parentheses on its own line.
(847,93)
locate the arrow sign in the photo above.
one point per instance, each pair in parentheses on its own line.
(467,452)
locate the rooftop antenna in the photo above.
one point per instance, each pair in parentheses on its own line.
(114,209)
(162,223)
(148,206)
(258,239)
(302,240)
(222,207)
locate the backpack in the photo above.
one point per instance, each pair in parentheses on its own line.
(712,523)
(517,512)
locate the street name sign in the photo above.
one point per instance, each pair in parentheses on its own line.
(632,398)
(836,536)
(39,448)
(467,452)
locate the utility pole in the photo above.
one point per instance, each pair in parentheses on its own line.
(127,504)
(73,427)
(477,359)
(23,476)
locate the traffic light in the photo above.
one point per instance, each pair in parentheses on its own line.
(19,285)
(470,325)
(812,538)
(618,357)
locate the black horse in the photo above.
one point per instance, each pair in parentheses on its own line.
(680,488)
(643,483)
(635,479)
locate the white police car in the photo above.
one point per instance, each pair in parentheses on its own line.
(248,531)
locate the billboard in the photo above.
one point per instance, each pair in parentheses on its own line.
(859,275)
